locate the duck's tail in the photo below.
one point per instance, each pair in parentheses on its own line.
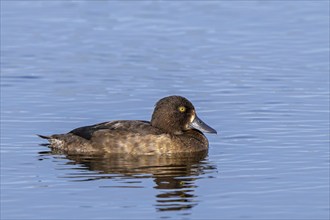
(44,137)
(55,141)
(49,138)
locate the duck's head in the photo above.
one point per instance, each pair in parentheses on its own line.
(176,114)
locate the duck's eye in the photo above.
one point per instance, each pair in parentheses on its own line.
(182,109)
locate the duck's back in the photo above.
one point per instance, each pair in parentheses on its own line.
(121,126)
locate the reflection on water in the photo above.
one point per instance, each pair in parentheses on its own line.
(174,176)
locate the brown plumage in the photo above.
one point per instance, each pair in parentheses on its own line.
(174,128)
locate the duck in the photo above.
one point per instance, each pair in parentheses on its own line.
(174,128)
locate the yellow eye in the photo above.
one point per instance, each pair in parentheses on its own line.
(182,109)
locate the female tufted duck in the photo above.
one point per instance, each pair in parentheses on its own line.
(174,128)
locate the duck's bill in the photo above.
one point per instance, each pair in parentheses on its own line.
(200,125)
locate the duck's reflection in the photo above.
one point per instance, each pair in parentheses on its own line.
(174,176)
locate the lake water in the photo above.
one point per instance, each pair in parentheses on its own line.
(256,71)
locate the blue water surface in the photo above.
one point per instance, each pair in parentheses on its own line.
(256,71)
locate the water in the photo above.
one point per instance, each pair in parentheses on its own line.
(256,71)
